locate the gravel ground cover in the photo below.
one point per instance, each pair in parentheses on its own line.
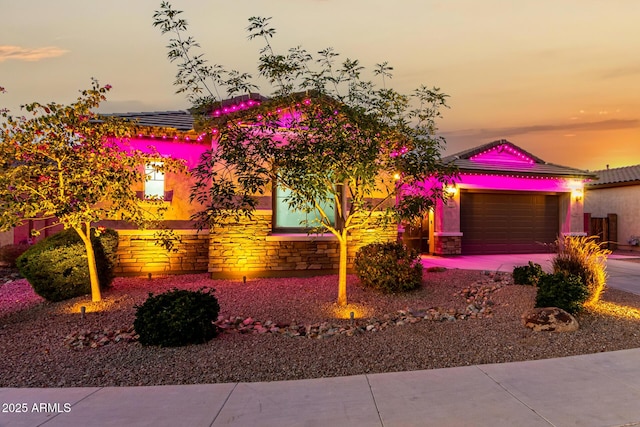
(35,350)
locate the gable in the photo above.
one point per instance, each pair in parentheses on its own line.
(505,158)
(503,154)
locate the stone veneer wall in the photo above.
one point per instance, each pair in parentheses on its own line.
(139,255)
(248,248)
(447,245)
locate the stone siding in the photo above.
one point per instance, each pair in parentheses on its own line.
(447,245)
(138,254)
(248,248)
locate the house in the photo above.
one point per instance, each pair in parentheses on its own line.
(271,243)
(612,207)
(506,200)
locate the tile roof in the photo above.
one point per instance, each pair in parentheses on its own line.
(617,176)
(185,121)
(181,120)
(536,166)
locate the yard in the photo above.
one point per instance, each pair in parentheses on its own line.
(35,350)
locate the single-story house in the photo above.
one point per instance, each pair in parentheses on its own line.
(612,206)
(506,200)
(270,244)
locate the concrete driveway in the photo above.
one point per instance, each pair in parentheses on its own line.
(623,273)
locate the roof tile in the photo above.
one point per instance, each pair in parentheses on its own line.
(180,119)
(621,176)
(463,160)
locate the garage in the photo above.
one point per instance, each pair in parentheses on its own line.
(507,222)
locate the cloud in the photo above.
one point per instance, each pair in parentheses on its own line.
(566,128)
(28,54)
(631,70)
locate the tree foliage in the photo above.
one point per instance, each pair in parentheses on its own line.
(328,135)
(65,162)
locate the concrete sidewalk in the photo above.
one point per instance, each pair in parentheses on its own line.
(600,390)
(595,390)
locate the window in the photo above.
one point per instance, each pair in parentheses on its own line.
(287,219)
(154,186)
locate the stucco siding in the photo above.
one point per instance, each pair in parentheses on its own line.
(6,237)
(623,201)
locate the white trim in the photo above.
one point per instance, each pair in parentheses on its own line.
(301,237)
(447,233)
(575,233)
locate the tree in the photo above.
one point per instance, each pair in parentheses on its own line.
(68,163)
(334,141)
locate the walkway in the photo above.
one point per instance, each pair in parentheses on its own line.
(595,390)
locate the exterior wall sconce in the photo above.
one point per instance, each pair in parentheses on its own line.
(451,190)
(577,194)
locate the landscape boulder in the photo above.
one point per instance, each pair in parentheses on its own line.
(550,319)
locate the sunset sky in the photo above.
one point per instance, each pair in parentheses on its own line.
(560,79)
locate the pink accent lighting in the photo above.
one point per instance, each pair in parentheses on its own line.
(503,153)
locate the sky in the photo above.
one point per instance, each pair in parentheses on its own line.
(558,78)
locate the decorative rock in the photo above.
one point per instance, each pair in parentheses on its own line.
(83,338)
(550,319)
(478,306)
(471,308)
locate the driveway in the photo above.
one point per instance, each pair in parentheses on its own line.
(623,274)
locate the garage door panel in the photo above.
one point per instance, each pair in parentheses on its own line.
(507,222)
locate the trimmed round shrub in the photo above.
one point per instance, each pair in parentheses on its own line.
(57,267)
(565,291)
(176,318)
(527,274)
(389,267)
(10,253)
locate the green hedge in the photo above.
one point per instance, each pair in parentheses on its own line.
(527,274)
(57,267)
(388,267)
(562,290)
(177,317)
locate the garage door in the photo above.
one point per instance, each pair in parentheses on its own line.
(501,223)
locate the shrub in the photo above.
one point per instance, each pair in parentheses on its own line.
(527,274)
(105,246)
(177,318)
(10,253)
(57,268)
(388,267)
(585,258)
(565,291)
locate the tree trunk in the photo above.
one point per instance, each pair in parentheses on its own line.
(342,270)
(91,259)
